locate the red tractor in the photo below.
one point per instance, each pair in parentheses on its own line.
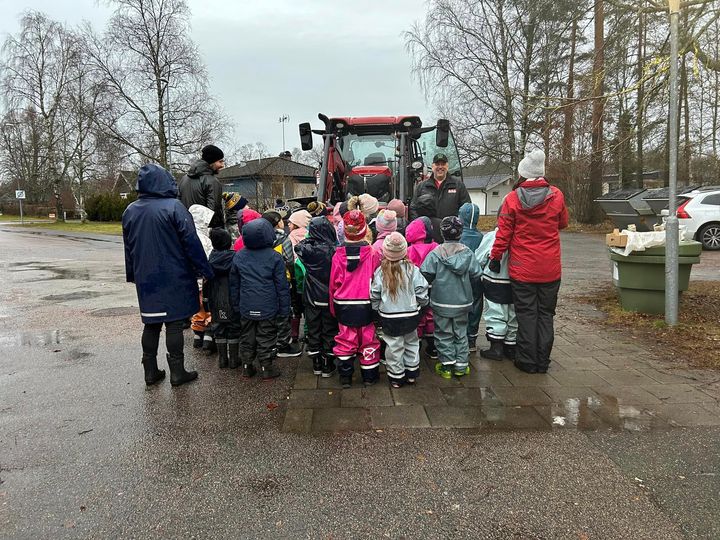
(384,156)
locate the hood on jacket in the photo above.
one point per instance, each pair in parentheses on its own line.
(221,261)
(154,181)
(455,256)
(533,193)
(248,215)
(419,230)
(426,205)
(200,168)
(321,230)
(201,216)
(258,234)
(469,213)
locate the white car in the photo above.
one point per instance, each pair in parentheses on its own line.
(699,212)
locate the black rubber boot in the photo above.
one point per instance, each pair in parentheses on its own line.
(197,339)
(509,351)
(495,352)
(222,349)
(178,375)
(317,363)
(152,373)
(430,347)
(233,354)
(269,372)
(328,366)
(209,347)
(248,371)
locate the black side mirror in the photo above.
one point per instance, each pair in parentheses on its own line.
(442,134)
(306,142)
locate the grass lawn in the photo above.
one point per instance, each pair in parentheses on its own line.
(10,217)
(98,227)
(694,340)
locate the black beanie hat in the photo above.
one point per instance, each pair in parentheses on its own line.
(211,154)
(451,228)
(220,239)
(273,217)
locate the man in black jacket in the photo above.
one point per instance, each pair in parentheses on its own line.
(201,186)
(448,192)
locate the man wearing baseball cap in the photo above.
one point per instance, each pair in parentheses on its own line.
(448,192)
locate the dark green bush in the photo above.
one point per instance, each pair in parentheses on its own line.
(107,207)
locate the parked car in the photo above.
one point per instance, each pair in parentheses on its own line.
(699,212)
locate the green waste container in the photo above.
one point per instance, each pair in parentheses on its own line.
(640,276)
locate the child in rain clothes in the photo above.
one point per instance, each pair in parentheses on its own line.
(316,253)
(498,310)
(469,213)
(225,326)
(398,293)
(385,224)
(260,293)
(419,235)
(451,267)
(202,320)
(353,266)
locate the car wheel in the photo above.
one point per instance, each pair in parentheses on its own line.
(709,236)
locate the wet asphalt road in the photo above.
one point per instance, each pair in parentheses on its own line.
(86,451)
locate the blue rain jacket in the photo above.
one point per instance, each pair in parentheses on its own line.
(259,289)
(163,254)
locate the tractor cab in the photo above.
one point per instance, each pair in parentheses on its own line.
(384,156)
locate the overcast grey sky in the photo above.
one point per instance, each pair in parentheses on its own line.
(266,58)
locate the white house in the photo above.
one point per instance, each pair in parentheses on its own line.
(488,191)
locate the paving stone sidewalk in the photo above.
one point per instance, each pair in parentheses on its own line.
(598,379)
(595,382)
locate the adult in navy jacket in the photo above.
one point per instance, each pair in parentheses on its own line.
(164,258)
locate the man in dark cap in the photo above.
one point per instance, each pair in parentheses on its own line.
(201,186)
(448,192)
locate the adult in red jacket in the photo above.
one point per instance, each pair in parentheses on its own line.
(529,226)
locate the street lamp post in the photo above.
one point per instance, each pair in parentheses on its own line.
(282,120)
(672,235)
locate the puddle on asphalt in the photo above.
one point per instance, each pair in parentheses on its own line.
(114,312)
(31,339)
(55,271)
(76,295)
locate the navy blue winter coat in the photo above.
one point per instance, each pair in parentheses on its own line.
(259,289)
(316,253)
(218,288)
(163,254)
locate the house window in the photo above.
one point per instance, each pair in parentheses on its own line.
(495,193)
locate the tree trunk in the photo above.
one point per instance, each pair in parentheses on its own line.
(594,214)
(640,97)
(569,105)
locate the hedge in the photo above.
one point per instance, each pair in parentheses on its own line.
(107,207)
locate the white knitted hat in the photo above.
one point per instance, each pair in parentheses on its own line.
(532,165)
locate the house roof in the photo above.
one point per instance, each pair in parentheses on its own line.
(485,182)
(273,166)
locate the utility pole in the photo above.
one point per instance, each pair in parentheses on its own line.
(282,120)
(672,235)
(166,117)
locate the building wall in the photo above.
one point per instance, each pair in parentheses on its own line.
(478,197)
(494,197)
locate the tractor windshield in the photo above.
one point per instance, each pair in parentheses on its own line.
(376,149)
(428,148)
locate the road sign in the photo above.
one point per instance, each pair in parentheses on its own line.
(19,194)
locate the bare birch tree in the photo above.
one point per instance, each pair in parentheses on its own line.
(157,99)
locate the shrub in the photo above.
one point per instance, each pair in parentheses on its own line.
(107,207)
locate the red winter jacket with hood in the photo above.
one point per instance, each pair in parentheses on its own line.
(529,226)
